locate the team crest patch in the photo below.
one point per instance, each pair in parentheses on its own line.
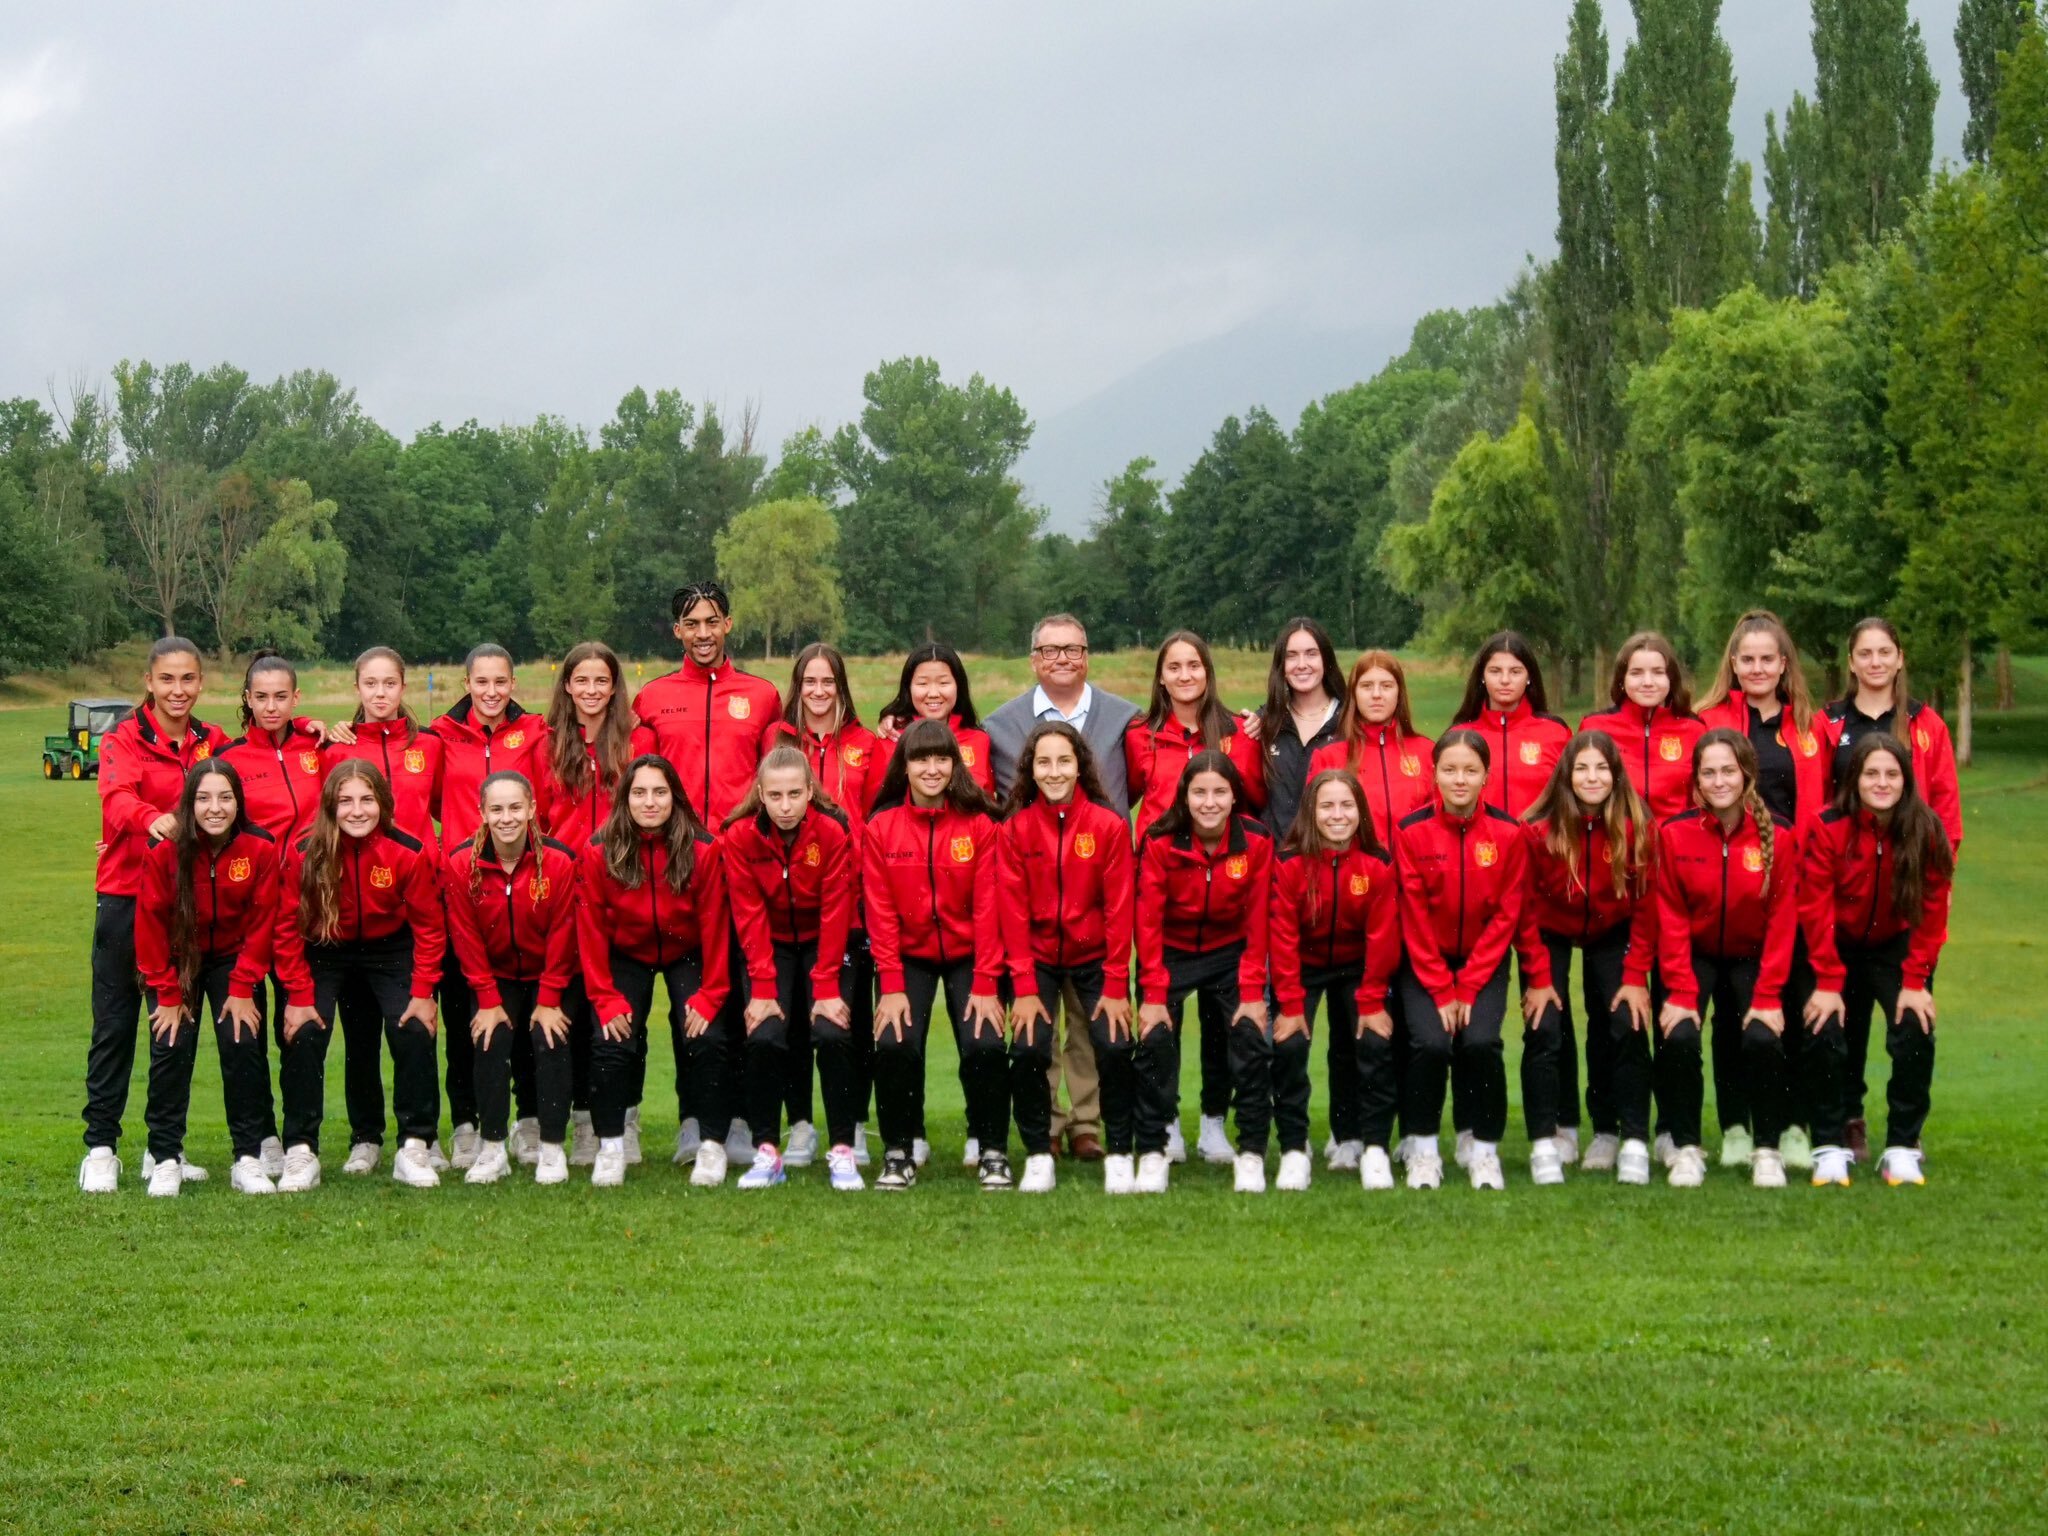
(1360,885)
(967,755)
(202,751)
(1532,753)
(1809,743)
(310,761)
(1753,860)
(1237,866)
(1084,846)
(1486,854)
(415,761)
(238,870)
(515,741)
(1670,748)
(538,887)
(853,756)
(1411,765)
(963,850)
(1921,738)
(739,706)
(813,855)
(380,876)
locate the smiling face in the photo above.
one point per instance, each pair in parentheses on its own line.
(1337,815)
(1875,659)
(1881,783)
(1059,658)
(1055,769)
(1377,696)
(1182,675)
(490,688)
(1302,663)
(213,805)
(703,629)
(508,812)
(591,688)
(820,693)
(1719,779)
(928,778)
(1210,802)
(1460,778)
(380,689)
(1759,666)
(933,693)
(174,684)
(1506,680)
(355,808)
(785,796)
(1647,682)
(1592,778)
(649,801)
(271,697)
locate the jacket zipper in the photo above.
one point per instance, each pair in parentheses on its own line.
(1722,947)
(789,889)
(653,906)
(512,928)
(1208,879)
(1387,789)
(356,863)
(931,872)
(1330,946)
(1876,886)
(290,789)
(1461,890)
(1586,880)
(213,904)
(1059,883)
(704,806)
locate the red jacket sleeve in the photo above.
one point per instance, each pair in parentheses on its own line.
(1013,903)
(1937,767)
(835,920)
(156,896)
(988,926)
(1284,936)
(1930,933)
(120,781)
(467,939)
(884,928)
(1640,958)
(593,934)
(1490,951)
(424,913)
(1530,949)
(547,794)
(558,958)
(1118,898)
(1151,924)
(1820,857)
(1251,967)
(260,939)
(1418,929)
(1250,762)
(1781,921)
(1674,932)
(1382,944)
(707,884)
(288,943)
(749,916)
(1138,755)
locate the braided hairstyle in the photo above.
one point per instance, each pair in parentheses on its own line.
(480,846)
(1737,743)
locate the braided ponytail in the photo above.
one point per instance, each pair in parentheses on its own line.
(1766,830)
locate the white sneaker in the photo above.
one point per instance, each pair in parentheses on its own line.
(248,1178)
(1425,1163)
(1567,1144)
(688,1137)
(463,1143)
(301,1170)
(491,1163)
(526,1141)
(1151,1176)
(1796,1148)
(189,1172)
(436,1158)
(582,1139)
(1483,1166)
(166,1178)
(1632,1163)
(970,1157)
(1546,1163)
(1343,1156)
(1038,1175)
(1737,1147)
(861,1156)
(632,1137)
(552,1165)
(842,1164)
(1767,1169)
(1399,1154)
(920,1152)
(1212,1144)
(1664,1149)
(709,1171)
(1119,1174)
(1831,1166)
(1688,1169)
(412,1167)
(363,1157)
(1376,1169)
(800,1148)
(766,1170)
(1600,1153)
(1461,1153)
(1294,1172)
(1176,1144)
(1250,1175)
(1898,1165)
(271,1156)
(739,1141)
(608,1168)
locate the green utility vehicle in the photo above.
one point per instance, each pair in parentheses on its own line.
(77,755)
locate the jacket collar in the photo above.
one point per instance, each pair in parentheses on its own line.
(1233,839)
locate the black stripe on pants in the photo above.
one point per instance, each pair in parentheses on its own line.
(1291,1057)
(618,1067)
(116,1016)
(1031,1065)
(244,1072)
(1876,975)
(1211,978)
(1472,1057)
(384,967)
(1550,1049)
(497,1063)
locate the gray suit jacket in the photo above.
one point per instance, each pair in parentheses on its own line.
(1107,718)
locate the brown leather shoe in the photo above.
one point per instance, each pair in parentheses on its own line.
(1858,1137)
(1087,1146)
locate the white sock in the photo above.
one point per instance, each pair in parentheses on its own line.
(611,1144)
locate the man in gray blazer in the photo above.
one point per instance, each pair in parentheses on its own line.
(1059,659)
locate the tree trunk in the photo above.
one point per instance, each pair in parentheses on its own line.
(768,643)
(2006,698)
(1965,704)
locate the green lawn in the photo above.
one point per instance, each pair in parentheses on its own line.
(515,1359)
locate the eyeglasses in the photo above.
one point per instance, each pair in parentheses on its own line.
(1061,653)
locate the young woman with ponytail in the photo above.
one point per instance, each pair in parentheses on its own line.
(1727,881)
(511,897)
(362,907)
(1874,901)
(1590,845)
(204,926)
(1878,700)
(278,757)
(1186,716)
(1506,703)
(1650,719)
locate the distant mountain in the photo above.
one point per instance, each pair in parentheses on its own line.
(1170,408)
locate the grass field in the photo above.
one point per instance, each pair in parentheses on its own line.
(655,1358)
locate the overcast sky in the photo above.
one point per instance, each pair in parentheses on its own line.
(500,210)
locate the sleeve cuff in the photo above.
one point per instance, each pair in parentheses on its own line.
(550,997)
(892,981)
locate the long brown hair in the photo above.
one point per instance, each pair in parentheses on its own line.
(1623,817)
(189,840)
(784,755)
(793,708)
(383,653)
(932,738)
(170,645)
(1086,779)
(1476,701)
(1212,720)
(1792,690)
(481,846)
(565,726)
(265,660)
(320,875)
(1901,696)
(1678,693)
(1279,704)
(1306,838)
(1350,725)
(1752,802)
(1919,841)
(1176,818)
(620,835)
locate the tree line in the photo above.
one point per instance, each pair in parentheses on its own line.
(1832,403)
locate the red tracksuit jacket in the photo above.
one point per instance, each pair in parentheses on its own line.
(1656,749)
(1710,896)
(577,818)
(713,725)
(142,776)
(848,763)
(1397,773)
(410,759)
(519,926)
(797,890)
(929,878)
(1845,893)
(1525,746)
(281,779)
(1195,901)
(1463,881)
(1582,907)
(1813,751)
(1357,920)
(234,909)
(471,753)
(389,881)
(1934,759)
(653,924)
(1067,892)
(1156,755)
(974,752)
